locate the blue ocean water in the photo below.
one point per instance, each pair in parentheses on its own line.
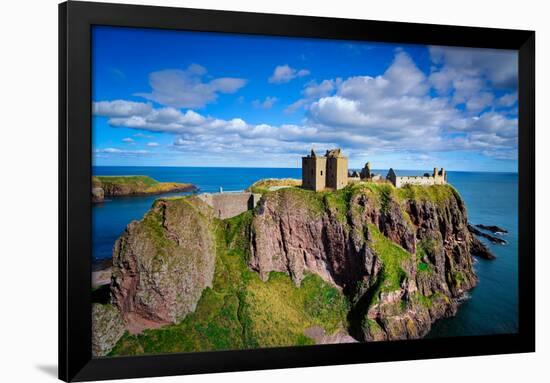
(491,199)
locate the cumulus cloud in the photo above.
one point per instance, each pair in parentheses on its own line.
(285,73)
(120,108)
(403,110)
(499,66)
(469,76)
(128,140)
(187,88)
(120,152)
(508,99)
(267,103)
(152,144)
(313,90)
(394,108)
(398,111)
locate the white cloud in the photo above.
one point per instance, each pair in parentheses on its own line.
(128,140)
(120,108)
(285,73)
(508,99)
(267,103)
(312,90)
(499,66)
(120,152)
(395,112)
(398,112)
(152,144)
(186,88)
(469,76)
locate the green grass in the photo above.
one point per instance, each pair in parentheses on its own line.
(425,249)
(392,257)
(127,185)
(135,181)
(262,186)
(458,278)
(241,311)
(436,193)
(338,202)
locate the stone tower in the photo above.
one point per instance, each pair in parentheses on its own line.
(337,169)
(329,171)
(440,176)
(314,172)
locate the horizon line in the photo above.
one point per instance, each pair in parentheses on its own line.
(276,167)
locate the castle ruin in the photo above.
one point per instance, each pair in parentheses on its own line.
(438,177)
(331,172)
(327,172)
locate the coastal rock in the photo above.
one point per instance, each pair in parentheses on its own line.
(404,261)
(107,328)
(162,263)
(123,186)
(490,237)
(492,228)
(98,194)
(480,250)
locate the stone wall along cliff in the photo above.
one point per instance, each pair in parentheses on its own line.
(227,205)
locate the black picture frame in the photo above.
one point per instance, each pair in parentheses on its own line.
(75,351)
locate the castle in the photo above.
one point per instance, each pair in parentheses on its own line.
(438,177)
(331,172)
(327,172)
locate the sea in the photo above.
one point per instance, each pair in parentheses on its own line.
(491,199)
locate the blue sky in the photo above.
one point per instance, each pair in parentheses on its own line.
(175,98)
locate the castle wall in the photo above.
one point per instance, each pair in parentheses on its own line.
(227,205)
(414,180)
(337,172)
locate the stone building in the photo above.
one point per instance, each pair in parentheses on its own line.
(438,177)
(322,172)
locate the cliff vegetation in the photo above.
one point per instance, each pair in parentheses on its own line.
(370,260)
(119,186)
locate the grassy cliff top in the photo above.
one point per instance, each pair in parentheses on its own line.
(264,185)
(435,193)
(124,185)
(339,200)
(137,181)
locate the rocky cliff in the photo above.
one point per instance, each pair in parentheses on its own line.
(303,267)
(402,256)
(162,264)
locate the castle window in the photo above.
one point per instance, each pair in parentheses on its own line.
(321,172)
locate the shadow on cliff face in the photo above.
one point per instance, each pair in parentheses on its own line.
(102,294)
(359,310)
